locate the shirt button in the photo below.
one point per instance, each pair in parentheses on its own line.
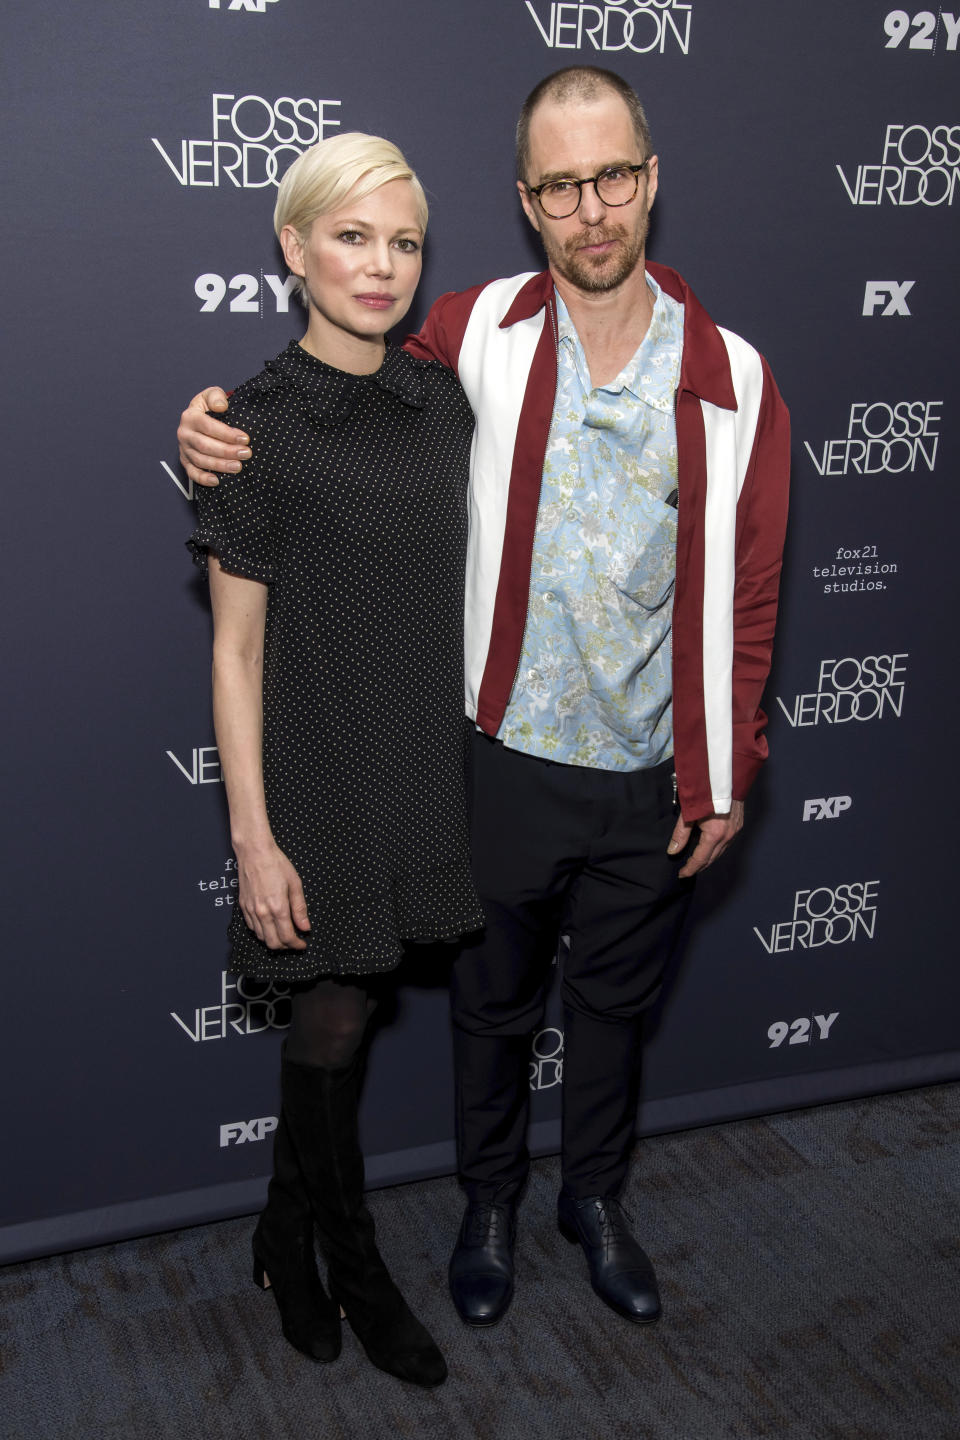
(549,595)
(572,515)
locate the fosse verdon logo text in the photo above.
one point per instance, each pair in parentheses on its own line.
(826,915)
(252,140)
(851,688)
(883,438)
(919,165)
(642,26)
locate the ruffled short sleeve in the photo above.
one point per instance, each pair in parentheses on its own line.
(235,519)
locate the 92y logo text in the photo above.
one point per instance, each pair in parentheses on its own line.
(897,25)
(248,292)
(800,1031)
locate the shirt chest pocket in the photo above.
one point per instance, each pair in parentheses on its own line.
(646,574)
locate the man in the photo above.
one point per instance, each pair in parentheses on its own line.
(628,504)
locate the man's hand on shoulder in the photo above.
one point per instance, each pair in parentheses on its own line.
(206,444)
(716,832)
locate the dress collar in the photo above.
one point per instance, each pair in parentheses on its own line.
(330,394)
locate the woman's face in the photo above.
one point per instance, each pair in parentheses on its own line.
(361,264)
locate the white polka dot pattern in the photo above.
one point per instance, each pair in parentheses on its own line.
(353,512)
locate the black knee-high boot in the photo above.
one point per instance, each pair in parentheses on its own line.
(320,1107)
(284,1259)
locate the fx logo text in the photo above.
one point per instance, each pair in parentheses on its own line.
(238,1132)
(891,294)
(829,809)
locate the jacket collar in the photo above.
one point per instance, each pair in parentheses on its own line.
(705,367)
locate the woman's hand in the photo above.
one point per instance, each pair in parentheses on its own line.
(270,894)
(271,898)
(206,444)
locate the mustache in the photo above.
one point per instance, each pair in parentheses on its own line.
(595,235)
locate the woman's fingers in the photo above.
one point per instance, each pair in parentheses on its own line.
(273,903)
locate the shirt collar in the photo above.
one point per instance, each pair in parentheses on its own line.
(653,385)
(705,369)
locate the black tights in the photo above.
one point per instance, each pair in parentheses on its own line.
(328,1021)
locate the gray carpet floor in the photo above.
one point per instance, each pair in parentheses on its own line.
(810,1269)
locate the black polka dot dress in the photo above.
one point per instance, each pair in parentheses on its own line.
(353,513)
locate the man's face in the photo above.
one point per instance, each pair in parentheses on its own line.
(598,246)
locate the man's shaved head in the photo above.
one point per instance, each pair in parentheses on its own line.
(573,85)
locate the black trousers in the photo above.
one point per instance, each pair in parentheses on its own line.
(561,850)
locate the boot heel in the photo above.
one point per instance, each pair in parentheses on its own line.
(308,1318)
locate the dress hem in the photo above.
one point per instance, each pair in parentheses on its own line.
(315,967)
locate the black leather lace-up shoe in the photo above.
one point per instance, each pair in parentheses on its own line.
(481,1267)
(620,1271)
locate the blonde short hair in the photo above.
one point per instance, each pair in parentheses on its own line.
(322,177)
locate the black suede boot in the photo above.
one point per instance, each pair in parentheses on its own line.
(284,1259)
(321,1109)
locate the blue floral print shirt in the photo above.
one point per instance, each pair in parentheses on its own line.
(593,686)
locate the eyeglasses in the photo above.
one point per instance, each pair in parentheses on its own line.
(616,185)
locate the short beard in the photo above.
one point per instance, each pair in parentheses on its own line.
(589,274)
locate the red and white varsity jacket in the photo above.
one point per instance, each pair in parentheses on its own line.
(733,448)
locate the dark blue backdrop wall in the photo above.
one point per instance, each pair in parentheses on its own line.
(810,174)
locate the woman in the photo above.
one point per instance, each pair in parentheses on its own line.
(336,565)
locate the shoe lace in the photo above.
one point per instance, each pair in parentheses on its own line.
(484,1221)
(614,1223)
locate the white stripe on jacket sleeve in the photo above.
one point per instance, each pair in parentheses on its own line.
(729,437)
(493,366)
